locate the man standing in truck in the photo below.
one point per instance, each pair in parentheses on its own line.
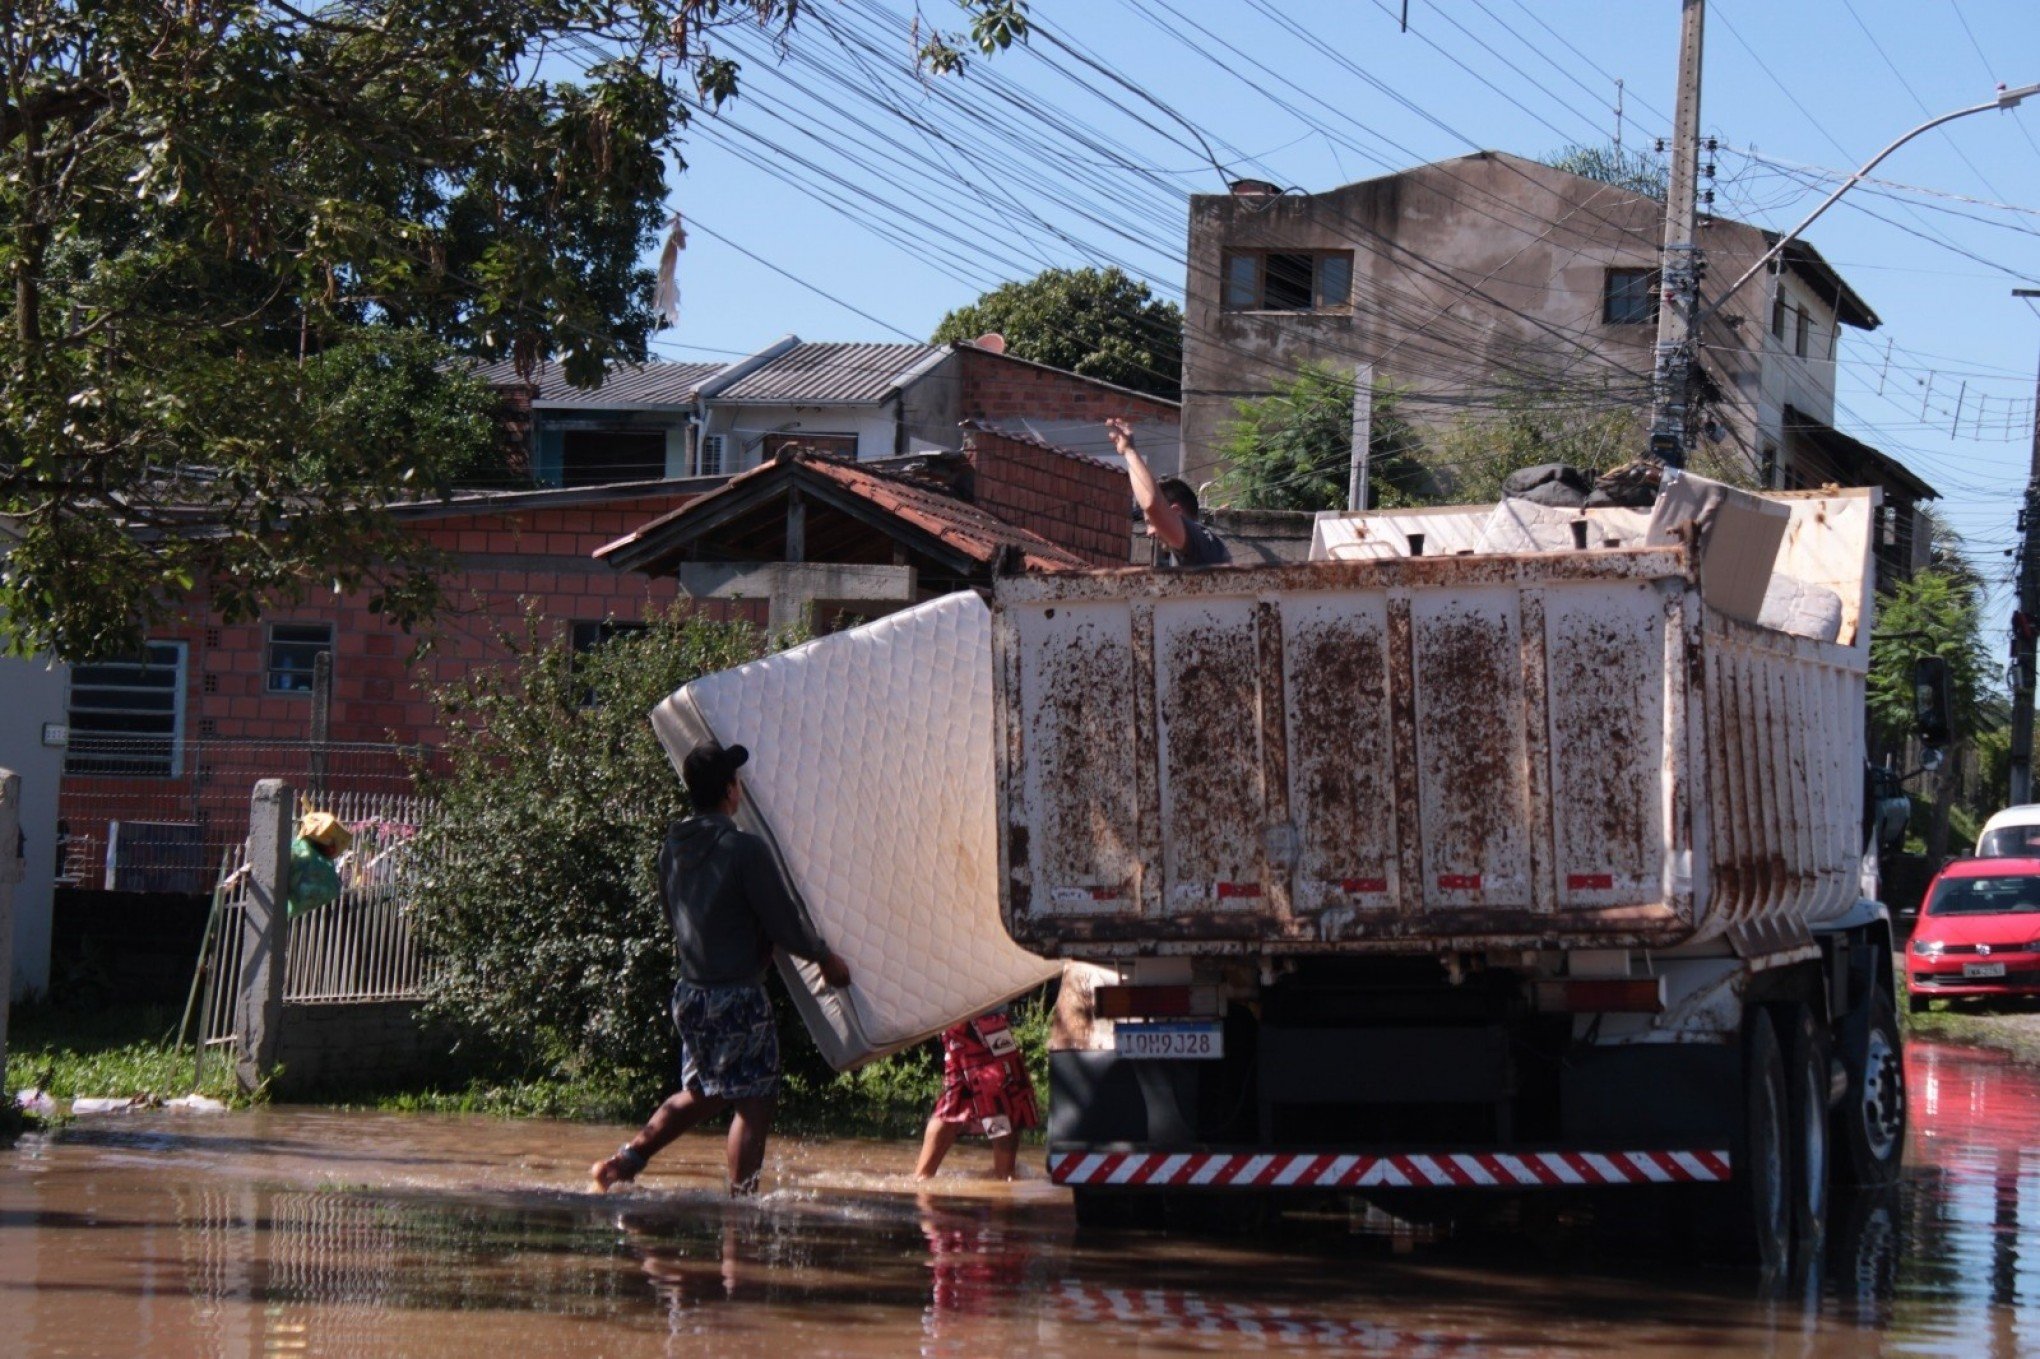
(1170,508)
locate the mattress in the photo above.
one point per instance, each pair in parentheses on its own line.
(872,778)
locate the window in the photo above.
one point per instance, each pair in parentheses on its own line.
(1778,316)
(1629,297)
(828,445)
(708,458)
(600,457)
(1800,331)
(588,636)
(1284,280)
(294,648)
(1770,465)
(127,715)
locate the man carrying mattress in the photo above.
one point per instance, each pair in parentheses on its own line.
(729,907)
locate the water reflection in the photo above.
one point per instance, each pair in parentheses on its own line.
(287,1232)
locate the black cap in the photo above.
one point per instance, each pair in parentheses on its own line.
(707,772)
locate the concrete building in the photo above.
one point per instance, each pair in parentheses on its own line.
(32,737)
(1487,277)
(857,401)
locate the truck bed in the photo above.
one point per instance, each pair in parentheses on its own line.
(1576,748)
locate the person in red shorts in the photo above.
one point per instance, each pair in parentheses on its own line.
(985,1086)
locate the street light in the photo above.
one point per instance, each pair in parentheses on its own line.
(2006,99)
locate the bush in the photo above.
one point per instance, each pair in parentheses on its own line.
(543,896)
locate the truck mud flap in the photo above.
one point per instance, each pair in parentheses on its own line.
(1135,1168)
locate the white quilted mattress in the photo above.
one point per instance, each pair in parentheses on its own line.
(871,775)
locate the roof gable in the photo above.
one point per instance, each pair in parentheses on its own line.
(916,514)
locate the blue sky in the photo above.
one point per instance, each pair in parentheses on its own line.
(842,198)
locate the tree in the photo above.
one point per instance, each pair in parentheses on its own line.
(1097,322)
(1631,170)
(545,835)
(1293,449)
(1936,613)
(232,228)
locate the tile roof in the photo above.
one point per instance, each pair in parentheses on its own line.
(963,528)
(647,384)
(826,373)
(979,534)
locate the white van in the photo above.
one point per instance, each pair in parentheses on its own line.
(2012,833)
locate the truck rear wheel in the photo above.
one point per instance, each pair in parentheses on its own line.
(1749,1220)
(1870,1124)
(1806,1059)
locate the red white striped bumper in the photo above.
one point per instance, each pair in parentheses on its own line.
(1432,1170)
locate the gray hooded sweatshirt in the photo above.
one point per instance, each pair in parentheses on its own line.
(727,903)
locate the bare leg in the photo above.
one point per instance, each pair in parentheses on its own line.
(746,1148)
(668,1121)
(936,1140)
(1005,1151)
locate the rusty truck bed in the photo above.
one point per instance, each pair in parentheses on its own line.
(1418,753)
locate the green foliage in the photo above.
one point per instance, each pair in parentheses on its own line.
(1097,322)
(1631,170)
(1938,613)
(1527,426)
(1293,450)
(109,1050)
(243,238)
(544,894)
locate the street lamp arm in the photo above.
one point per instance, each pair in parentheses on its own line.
(2006,99)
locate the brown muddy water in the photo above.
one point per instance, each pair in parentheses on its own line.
(289,1231)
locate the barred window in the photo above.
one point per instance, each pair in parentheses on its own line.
(127,715)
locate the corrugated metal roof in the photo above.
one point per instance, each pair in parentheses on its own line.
(649,384)
(828,373)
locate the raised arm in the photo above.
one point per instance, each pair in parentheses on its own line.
(1161,514)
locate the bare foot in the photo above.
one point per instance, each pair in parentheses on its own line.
(606,1173)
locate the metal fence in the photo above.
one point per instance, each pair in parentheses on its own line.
(140,833)
(359,947)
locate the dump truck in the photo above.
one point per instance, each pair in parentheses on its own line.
(1496,850)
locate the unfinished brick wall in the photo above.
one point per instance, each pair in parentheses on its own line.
(502,565)
(999,387)
(1075,502)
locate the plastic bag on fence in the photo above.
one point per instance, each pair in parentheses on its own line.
(314,881)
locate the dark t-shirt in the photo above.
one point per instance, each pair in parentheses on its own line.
(1201,547)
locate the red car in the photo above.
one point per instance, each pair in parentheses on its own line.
(1978,934)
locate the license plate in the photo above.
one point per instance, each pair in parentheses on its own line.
(1983,969)
(1199,1042)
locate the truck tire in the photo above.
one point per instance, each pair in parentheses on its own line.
(1807,1077)
(1748,1221)
(1870,1124)
(1116,1210)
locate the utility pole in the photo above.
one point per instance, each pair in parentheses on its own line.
(2027,619)
(1678,339)
(1363,435)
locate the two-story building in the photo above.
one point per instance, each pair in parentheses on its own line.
(1484,277)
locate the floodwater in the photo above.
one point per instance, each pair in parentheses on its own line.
(288,1231)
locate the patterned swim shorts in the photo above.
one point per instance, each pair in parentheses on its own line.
(729,1045)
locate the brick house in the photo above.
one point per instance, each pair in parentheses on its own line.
(168,745)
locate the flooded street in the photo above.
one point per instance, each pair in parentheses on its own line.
(295,1231)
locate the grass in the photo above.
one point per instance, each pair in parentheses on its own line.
(115,1051)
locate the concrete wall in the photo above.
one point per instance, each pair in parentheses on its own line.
(744,429)
(355,1045)
(32,694)
(1468,276)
